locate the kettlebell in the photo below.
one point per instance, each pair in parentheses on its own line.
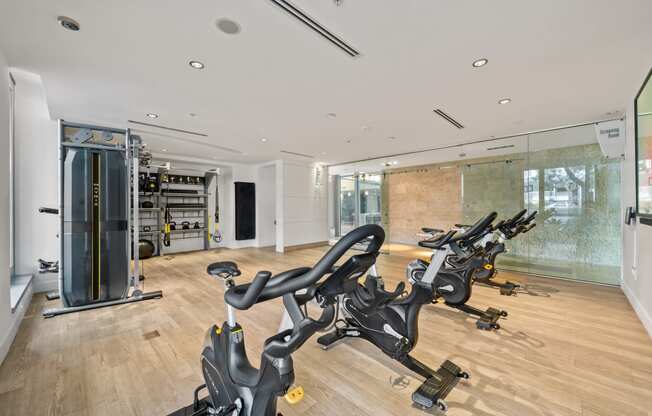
(147,204)
(185,225)
(147,228)
(173,225)
(196,226)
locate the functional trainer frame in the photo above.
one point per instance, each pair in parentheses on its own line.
(129,150)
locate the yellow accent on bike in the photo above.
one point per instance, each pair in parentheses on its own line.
(235,331)
(295,395)
(488,266)
(218,330)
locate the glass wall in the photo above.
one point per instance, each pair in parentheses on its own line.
(562,174)
(360,201)
(576,191)
(370,199)
(347,205)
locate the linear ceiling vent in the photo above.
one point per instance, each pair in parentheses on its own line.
(315,26)
(158,126)
(507,146)
(287,152)
(448,118)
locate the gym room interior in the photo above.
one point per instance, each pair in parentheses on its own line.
(326,207)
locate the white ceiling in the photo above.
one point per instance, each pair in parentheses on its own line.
(560,61)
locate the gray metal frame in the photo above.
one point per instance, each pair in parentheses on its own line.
(131,150)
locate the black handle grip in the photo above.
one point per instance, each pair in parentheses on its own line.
(277,288)
(244,296)
(45,210)
(438,242)
(477,228)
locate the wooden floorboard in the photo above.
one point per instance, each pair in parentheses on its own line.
(566,348)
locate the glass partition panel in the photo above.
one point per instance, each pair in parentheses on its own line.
(578,227)
(370,199)
(576,191)
(347,206)
(502,184)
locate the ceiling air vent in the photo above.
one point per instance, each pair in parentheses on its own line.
(287,152)
(507,146)
(448,118)
(158,126)
(315,26)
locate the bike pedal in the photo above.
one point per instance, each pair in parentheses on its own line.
(294,395)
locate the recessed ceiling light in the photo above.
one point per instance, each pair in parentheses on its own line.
(263,140)
(228,26)
(192,114)
(164,150)
(348,140)
(392,138)
(323,153)
(68,23)
(196,64)
(480,62)
(152,115)
(505,101)
(394,162)
(331,115)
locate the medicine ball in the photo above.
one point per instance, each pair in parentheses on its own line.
(146,249)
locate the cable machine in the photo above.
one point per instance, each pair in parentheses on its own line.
(98,189)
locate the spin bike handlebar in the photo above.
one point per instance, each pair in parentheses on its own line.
(476,229)
(264,287)
(515,219)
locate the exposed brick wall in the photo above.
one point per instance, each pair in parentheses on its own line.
(426,196)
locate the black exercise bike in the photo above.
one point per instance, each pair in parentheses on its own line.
(493,244)
(454,280)
(234,386)
(389,320)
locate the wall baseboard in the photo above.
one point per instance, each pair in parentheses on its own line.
(643,315)
(45,282)
(307,245)
(17,318)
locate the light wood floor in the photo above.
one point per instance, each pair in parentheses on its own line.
(566,349)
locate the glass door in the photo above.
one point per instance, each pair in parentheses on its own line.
(369,197)
(360,202)
(347,206)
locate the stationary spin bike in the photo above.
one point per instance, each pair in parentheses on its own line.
(235,387)
(493,244)
(390,320)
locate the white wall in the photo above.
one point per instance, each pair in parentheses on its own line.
(266,205)
(35,180)
(305,200)
(637,238)
(9,321)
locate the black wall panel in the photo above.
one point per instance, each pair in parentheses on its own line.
(245,210)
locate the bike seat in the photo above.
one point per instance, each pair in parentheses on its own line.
(223,269)
(432,230)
